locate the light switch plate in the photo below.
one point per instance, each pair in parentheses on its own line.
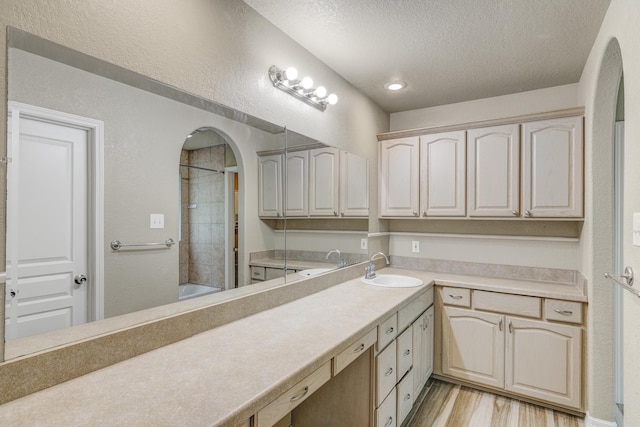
(415,246)
(156,221)
(636,229)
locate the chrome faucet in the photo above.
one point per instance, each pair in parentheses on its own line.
(370,270)
(341,262)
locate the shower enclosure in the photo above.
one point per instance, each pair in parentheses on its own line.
(203,218)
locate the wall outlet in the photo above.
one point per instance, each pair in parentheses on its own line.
(415,246)
(156,221)
(363,243)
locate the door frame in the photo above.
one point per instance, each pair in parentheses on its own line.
(95,185)
(229,228)
(618,266)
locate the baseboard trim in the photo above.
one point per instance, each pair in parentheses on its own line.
(590,421)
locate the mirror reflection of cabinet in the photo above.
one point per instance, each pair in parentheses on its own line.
(270,186)
(320,183)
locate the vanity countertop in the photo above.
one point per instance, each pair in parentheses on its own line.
(292,264)
(225,375)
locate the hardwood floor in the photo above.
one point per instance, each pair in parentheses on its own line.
(450,405)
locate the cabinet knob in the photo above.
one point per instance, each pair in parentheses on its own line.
(389,422)
(389,331)
(515,213)
(389,372)
(359,348)
(415,213)
(527,213)
(407,352)
(301,395)
(335,213)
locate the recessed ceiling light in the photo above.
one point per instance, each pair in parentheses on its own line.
(395,85)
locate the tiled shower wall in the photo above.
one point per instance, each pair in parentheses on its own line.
(202,244)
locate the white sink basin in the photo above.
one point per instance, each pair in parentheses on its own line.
(313,271)
(393,281)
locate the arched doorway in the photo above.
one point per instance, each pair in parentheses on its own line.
(603,224)
(208,214)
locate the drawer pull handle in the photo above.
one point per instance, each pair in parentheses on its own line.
(407,397)
(563,312)
(359,348)
(500,325)
(407,352)
(300,396)
(510,327)
(389,331)
(389,422)
(389,372)
(455,296)
(425,324)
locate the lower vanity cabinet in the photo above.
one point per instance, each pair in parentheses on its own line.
(405,364)
(422,330)
(276,410)
(516,345)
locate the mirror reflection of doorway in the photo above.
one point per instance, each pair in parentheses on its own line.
(207,213)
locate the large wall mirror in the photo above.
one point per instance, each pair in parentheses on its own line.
(125,195)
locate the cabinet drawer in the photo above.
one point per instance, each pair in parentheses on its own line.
(386,373)
(564,311)
(270,414)
(257,273)
(342,360)
(386,413)
(408,314)
(456,296)
(404,355)
(519,305)
(387,331)
(405,397)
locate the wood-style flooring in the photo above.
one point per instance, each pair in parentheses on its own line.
(451,405)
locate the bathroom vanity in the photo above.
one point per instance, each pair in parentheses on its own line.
(346,346)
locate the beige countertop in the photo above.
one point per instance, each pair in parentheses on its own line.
(225,375)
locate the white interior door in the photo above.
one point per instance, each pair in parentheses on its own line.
(47,234)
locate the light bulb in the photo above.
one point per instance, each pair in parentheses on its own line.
(291,74)
(332,99)
(307,83)
(321,92)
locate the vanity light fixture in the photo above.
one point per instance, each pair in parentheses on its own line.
(287,81)
(394,86)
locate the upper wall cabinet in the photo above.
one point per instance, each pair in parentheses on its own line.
(399,177)
(297,200)
(270,186)
(322,182)
(443,174)
(527,170)
(354,185)
(324,175)
(494,159)
(552,162)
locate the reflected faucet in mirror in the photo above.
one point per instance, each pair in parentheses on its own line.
(341,262)
(370,270)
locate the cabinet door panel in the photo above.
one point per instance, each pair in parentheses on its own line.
(473,346)
(494,159)
(422,350)
(399,177)
(443,174)
(553,161)
(544,361)
(270,186)
(297,188)
(354,185)
(324,174)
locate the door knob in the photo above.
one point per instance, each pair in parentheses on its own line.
(80,280)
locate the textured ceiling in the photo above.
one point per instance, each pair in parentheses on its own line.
(446,50)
